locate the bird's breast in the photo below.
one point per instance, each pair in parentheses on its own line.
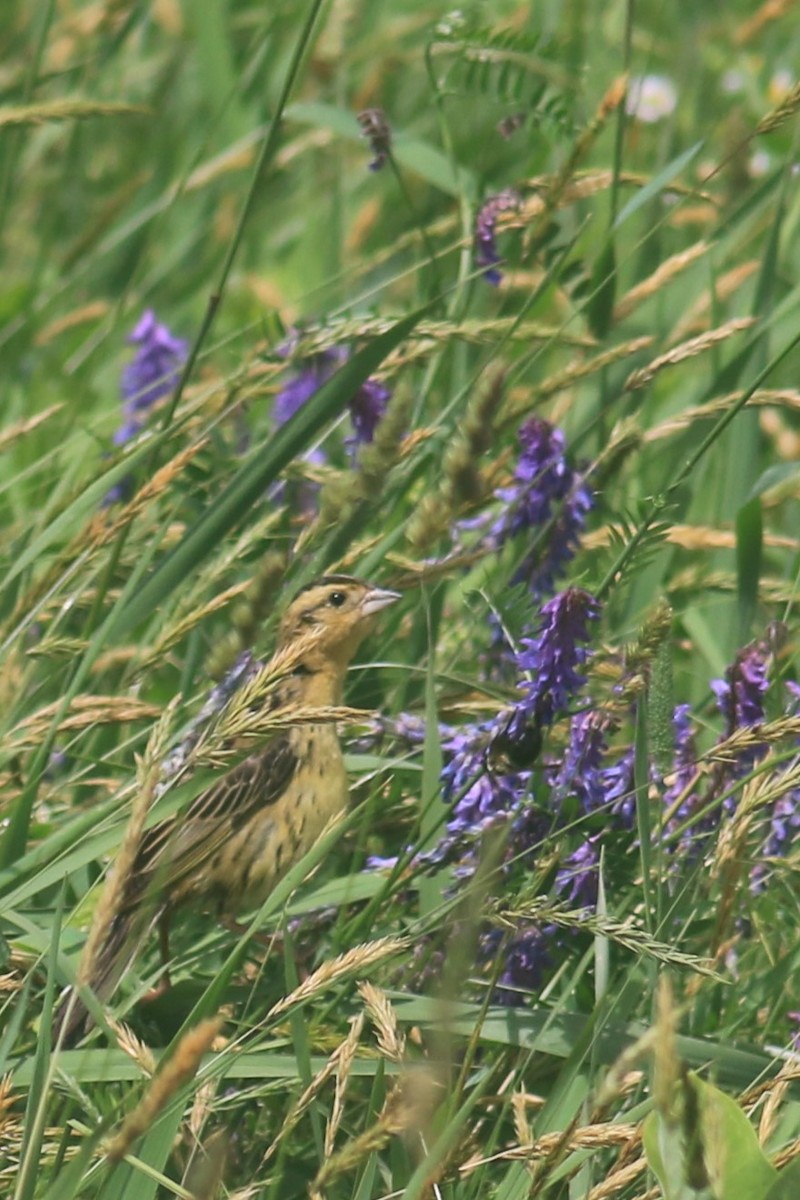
(278,836)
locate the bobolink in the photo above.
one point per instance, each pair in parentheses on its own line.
(241,835)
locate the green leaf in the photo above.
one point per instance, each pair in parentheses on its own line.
(658,184)
(773,477)
(749,544)
(710,1150)
(787,1185)
(600,306)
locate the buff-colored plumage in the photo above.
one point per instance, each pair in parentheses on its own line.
(240,836)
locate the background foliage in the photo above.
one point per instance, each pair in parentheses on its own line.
(459,1021)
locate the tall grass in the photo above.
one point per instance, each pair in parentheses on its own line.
(370,1031)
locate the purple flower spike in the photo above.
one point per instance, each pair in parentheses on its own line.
(557,654)
(480,797)
(367,407)
(545,488)
(581,773)
(740,696)
(486,254)
(527,962)
(577,879)
(153,371)
(299,390)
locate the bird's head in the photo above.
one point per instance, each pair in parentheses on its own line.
(337,612)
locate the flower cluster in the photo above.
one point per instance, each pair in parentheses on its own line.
(151,374)
(548,496)
(487,256)
(366,407)
(555,657)
(740,697)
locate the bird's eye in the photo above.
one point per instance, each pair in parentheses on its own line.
(337,599)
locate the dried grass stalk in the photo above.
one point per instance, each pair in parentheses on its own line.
(345,1055)
(690,349)
(391,1043)
(83,712)
(693,320)
(181,1067)
(619,1179)
(18,430)
(782,112)
(571,375)
(788,398)
(664,273)
(131,1045)
(358,958)
(68,110)
(770,10)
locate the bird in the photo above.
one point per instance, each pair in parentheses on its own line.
(240,836)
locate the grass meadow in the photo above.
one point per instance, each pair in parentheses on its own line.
(498,307)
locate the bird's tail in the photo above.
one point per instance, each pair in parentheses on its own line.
(104,962)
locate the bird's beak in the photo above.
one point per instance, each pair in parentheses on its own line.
(376,599)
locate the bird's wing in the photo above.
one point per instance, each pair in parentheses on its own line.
(175,849)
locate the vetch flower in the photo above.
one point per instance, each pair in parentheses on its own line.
(151,374)
(154,369)
(651,98)
(683,779)
(545,489)
(577,879)
(527,961)
(740,697)
(486,253)
(479,796)
(366,407)
(556,655)
(581,772)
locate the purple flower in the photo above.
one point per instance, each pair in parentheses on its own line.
(546,491)
(620,790)
(555,656)
(684,773)
(153,371)
(486,254)
(581,771)
(740,697)
(527,961)
(367,406)
(299,389)
(784,821)
(479,796)
(577,879)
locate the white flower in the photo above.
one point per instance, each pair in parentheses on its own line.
(760,162)
(650,98)
(734,81)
